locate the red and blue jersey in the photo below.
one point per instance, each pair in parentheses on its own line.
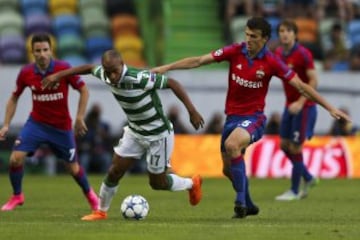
(50,106)
(300,60)
(249,78)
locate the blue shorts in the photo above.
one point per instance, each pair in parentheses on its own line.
(254,124)
(34,134)
(297,128)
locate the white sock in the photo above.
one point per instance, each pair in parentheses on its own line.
(180,183)
(106,195)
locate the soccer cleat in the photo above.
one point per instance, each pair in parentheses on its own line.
(251,211)
(240,211)
(14,201)
(310,184)
(288,196)
(195,192)
(95,215)
(92,199)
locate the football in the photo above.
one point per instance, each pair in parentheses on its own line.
(134,207)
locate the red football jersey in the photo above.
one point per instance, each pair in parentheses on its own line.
(50,106)
(248,79)
(300,60)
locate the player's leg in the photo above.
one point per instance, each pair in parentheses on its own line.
(26,143)
(309,180)
(125,154)
(62,142)
(109,186)
(287,134)
(238,133)
(294,130)
(16,173)
(158,161)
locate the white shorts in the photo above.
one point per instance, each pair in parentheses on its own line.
(157,153)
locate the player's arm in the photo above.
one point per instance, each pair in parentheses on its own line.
(80,126)
(310,93)
(53,79)
(9,114)
(296,106)
(195,118)
(186,63)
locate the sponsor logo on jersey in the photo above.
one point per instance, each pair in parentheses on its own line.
(48,97)
(246,83)
(260,73)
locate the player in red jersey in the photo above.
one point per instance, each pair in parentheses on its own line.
(251,66)
(49,121)
(299,116)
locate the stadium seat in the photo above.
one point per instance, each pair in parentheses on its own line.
(11,23)
(274,22)
(94,26)
(59,7)
(237,28)
(95,46)
(12,49)
(66,24)
(75,60)
(114,7)
(70,44)
(307,30)
(92,3)
(131,48)
(6,5)
(340,66)
(124,24)
(33,7)
(37,23)
(12,56)
(353,31)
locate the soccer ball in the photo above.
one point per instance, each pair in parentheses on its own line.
(134,207)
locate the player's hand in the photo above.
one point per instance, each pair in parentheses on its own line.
(161,69)
(196,119)
(3,133)
(50,82)
(338,114)
(80,127)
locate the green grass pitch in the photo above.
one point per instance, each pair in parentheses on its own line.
(54,206)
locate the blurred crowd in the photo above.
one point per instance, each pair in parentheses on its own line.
(329,28)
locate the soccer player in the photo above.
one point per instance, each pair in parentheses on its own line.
(251,67)
(49,121)
(299,116)
(149,133)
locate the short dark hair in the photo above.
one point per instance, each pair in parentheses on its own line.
(260,23)
(40,37)
(288,23)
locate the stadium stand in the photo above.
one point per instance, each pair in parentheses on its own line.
(33,7)
(12,48)
(94,26)
(58,7)
(11,22)
(154,32)
(6,5)
(37,23)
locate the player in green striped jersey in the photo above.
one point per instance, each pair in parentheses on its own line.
(148,133)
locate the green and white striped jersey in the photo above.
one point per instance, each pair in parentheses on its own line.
(137,96)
